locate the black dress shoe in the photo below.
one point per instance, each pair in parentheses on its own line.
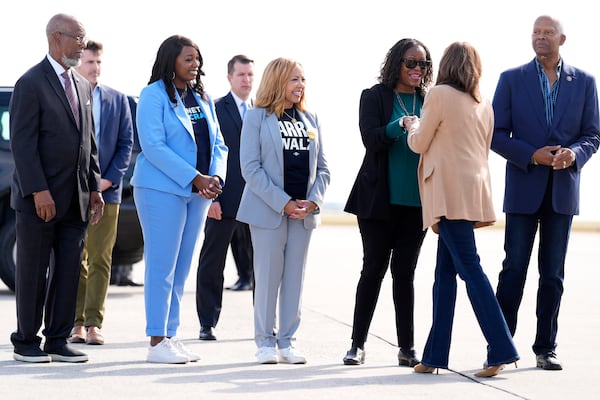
(548,361)
(240,285)
(206,333)
(407,358)
(354,356)
(129,282)
(65,353)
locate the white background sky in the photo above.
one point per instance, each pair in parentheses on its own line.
(340,44)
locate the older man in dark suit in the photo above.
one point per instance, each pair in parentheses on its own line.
(547,127)
(221,226)
(55,187)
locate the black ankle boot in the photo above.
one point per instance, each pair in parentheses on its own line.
(407,358)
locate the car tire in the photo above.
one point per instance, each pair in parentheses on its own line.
(8,252)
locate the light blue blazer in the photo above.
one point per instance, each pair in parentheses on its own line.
(168,158)
(261,161)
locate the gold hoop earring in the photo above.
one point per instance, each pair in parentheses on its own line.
(173,77)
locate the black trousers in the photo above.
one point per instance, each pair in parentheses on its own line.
(399,238)
(218,235)
(45,286)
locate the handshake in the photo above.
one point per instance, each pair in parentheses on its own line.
(408,121)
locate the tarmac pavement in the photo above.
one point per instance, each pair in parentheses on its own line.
(228,368)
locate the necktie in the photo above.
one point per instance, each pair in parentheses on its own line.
(71,96)
(244,109)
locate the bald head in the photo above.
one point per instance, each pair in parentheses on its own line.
(552,21)
(62,23)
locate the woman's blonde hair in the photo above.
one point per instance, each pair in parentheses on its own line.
(271,91)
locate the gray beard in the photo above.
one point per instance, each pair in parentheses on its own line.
(71,62)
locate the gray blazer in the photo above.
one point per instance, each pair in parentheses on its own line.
(261,161)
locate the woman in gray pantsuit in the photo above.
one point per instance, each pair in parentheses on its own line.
(282,161)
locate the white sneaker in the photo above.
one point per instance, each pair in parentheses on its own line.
(193,357)
(267,355)
(291,355)
(164,352)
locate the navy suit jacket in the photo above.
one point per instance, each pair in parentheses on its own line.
(50,152)
(520,128)
(116,141)
(230,122)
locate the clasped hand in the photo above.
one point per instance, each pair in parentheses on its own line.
(208,186)
(409,121)
(299,209)
(556,156)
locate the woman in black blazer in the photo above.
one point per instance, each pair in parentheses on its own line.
(388,207)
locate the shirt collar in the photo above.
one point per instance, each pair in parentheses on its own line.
(239,101)
(59,69)
(540,69)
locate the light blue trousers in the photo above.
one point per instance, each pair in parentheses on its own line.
(171,226)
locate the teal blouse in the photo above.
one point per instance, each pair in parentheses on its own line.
(402,161)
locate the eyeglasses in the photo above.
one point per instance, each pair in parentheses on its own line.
(79,39)
(410,64)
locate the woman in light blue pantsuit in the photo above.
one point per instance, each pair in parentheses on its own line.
(178,172)
(282,161)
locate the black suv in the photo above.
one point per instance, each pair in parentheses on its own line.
(129,246)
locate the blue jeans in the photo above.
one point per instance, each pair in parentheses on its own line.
(457,254)
(519,237)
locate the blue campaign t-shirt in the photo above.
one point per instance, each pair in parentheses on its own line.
(200,126)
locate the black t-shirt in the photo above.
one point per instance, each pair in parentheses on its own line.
(295,154)
(200,126)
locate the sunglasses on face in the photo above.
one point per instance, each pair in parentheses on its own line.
(410,64)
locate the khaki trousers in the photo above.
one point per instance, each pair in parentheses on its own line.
(95,268)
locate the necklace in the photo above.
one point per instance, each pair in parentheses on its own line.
(404,107)
(182,92)
(294,120)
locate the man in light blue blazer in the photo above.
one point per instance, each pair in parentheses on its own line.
(547,127)
(180,170)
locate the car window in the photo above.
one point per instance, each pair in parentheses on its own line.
(4,132)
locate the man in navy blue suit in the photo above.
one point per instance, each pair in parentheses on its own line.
(547,127)
(114,139)
(222,229)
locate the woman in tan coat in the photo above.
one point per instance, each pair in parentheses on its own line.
(453,137)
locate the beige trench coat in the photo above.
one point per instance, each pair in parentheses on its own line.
(453,138)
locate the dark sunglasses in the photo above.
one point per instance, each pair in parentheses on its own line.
(410,64)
